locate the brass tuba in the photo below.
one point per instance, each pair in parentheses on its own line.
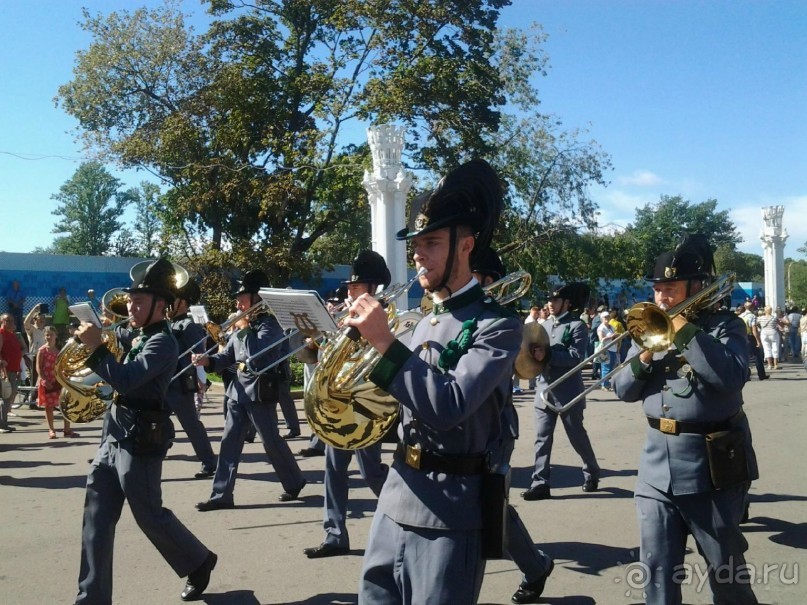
(346,410)
(85,396)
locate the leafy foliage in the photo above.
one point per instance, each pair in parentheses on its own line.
(90,204)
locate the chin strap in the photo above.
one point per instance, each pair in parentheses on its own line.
(452,248)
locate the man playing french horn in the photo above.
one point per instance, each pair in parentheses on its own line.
(698,460)
(452,382)
(136,436)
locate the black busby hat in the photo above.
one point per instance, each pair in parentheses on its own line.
(471,194)
(252,282)
(692,259)
(487,262)
(190,292)
(576,292)
(369,267)
(161,278)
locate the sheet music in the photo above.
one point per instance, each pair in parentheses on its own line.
(300,309)
(85,312)
(198,314)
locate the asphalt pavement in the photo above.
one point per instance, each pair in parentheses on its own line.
(593,537)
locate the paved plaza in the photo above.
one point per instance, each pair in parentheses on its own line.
(592,537)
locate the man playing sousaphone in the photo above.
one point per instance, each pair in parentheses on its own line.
(453,381)
(136,436)
(698,461)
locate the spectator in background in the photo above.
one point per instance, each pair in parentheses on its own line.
(15,300)
(10,361)
(803,334)
(61,317)
(794,317)
(34,325)
(769,331)
(783,325)
(48,388)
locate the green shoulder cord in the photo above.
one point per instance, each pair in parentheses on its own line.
(457,347)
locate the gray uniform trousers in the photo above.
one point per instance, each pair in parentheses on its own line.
(264,417)
(530,560)
(287,406)
(336,486)
(545,421)
(116,475)
(441,567)
(713,518)
(184,408)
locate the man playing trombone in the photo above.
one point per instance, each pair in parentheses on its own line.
(698,461)
(369,272)
(453,381)
(251,396)
(183,388)
(568,340)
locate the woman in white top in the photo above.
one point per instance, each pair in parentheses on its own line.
(34,325)
(769,333)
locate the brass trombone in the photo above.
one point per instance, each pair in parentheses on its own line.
(651,328)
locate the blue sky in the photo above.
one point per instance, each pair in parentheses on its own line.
(703,99)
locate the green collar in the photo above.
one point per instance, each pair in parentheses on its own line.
(471,295)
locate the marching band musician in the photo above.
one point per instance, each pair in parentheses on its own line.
(534,564)
(369,272)
(568,339)
(251,396)
(182,390)
(698,460)
(136,436)
(425,544)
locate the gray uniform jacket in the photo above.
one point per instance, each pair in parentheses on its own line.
(188,333)
(262,331)
(456,412)
(141,381)
(699,380)
(568,341)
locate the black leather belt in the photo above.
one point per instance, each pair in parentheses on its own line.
(671,426)
(139,404)
(472,464)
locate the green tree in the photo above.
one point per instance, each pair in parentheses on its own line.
(747,267)
(90,204)
(660,227)
(248,124)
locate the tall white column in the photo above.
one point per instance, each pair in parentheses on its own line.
(773,243)
(387,186)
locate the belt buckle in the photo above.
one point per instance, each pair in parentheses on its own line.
(668,426)
(242,367)
(413,456)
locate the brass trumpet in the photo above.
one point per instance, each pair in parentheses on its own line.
(651,328)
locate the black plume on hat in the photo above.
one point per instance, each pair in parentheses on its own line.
(471,194)
(252,282)
(692,259)
(156,277)
(369,267)
(190,292)
(576,292)
(487,262)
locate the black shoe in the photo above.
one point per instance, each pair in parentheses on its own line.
(765,377)
(199,579)
(213,505)
(289,496)
(530,592)
(33,406)
(591,485)
(325,550)
(205,473)
(539,492)
(291,434)
(310,452)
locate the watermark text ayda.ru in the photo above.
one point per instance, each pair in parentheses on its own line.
(638,575)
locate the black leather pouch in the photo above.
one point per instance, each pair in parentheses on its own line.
(728,465)
(495,490)
(187,382)
(153,433)
(268,391)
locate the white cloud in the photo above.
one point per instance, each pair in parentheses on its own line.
(640,178)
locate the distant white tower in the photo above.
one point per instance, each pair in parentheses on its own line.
(387,186)
(773,243)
